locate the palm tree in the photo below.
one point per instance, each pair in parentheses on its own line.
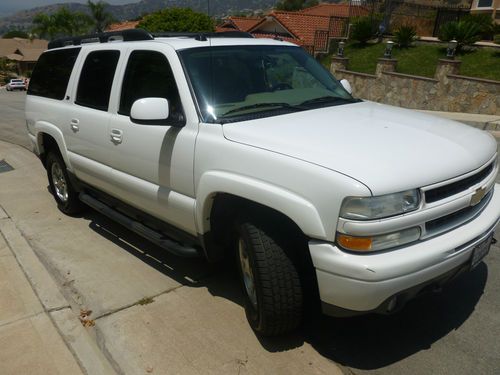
(101,17)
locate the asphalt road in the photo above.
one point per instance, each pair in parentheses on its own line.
(453,332)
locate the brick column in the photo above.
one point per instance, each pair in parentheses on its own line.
(385,65)
(445,67)
(339,63)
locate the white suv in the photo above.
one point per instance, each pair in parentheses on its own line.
(221,145)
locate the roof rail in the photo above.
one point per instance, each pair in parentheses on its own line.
(130,35)
(203,35)
(124,35)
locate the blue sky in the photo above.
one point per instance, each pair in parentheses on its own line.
(10,6)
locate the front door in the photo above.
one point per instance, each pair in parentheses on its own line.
(153,164)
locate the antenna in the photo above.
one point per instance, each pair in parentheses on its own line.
(208,8)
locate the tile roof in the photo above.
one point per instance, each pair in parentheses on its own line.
(30,49)
(122,25)
(243,23)
(302,26)
(336,10)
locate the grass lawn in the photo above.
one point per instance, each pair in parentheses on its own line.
(422,59)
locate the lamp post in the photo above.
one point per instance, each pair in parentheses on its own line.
(388,49)
(452,47)
(340,51)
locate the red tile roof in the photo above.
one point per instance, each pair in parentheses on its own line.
(302,26)
(336,10)
(244,23)
(122,26)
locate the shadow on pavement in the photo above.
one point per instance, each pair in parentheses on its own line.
(363,342)
(374,341)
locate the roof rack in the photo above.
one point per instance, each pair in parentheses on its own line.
(123,35)
(203,36)
(130,35)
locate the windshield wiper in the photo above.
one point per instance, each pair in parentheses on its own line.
(260,105)
(329,100)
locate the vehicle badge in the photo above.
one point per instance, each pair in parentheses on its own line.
(477,196)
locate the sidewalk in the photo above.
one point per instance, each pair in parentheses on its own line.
(154,313)
(33,314)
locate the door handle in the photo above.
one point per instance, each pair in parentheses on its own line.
(74,125)
(116,136)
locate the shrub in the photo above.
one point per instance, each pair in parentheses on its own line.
(362,30)
(464,32)
(484,22)
(405,35)
(496,39)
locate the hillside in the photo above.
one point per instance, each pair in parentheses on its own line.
(22,20)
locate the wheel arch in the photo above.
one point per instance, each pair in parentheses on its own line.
(49,137)
(221,196)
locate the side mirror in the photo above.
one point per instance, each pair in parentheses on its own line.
(150,111)
(346,85)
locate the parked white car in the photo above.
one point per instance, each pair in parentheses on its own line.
(16,84)
(222,145)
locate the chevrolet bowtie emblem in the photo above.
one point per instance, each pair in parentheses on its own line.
(477,196)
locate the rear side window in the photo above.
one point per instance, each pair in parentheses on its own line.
(51,74)
(149,75)
(96,79)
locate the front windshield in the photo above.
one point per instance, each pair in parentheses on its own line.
(236,83)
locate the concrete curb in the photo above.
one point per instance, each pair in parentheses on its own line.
(78,340)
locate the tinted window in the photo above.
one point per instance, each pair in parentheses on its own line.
(96,79)
(51,74)
(149,75)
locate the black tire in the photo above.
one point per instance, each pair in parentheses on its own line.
(276,306)
(66,196)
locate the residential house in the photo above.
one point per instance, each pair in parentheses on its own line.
(24,52)
(120,26)
(491,7)
(311,28)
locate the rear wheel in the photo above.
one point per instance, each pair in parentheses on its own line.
(270,280)
(60,185)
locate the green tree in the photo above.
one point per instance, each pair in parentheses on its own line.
(61,23)
(15,34)
(177,20)
(293,5)
(101,18)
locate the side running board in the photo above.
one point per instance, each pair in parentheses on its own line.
(143,231)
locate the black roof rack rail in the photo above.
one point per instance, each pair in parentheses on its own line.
(203,35)
(131,35)
(128,35)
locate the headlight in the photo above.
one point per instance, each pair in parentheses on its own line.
(368,208)
(380,242)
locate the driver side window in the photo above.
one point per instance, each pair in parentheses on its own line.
(149,75)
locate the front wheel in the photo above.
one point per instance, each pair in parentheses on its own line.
(60,185)
(271,283)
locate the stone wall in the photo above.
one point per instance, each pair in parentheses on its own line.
(448,91)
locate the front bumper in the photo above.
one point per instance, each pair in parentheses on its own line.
(360,283)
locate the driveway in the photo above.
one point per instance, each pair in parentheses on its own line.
(153,311)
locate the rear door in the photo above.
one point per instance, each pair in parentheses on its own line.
(86,126)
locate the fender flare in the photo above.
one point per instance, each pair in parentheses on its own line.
(295,207)
(43,127)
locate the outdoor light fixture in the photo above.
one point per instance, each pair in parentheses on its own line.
(340,52)
(452,47)
(388,49)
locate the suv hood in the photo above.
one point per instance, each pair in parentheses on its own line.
(388,149)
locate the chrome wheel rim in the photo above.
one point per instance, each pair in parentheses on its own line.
(60,185)
(246,270)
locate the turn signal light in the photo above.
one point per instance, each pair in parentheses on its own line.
(355,243)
